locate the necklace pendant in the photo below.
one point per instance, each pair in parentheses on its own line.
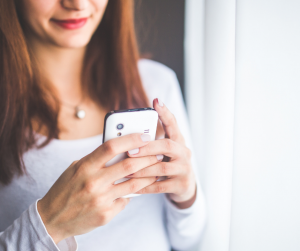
(80,113)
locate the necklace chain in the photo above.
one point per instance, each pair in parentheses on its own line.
(79,113)
(72,106)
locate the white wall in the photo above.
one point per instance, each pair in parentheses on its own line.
(245,92)
(266,181)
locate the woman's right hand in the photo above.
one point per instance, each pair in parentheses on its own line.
(84,197)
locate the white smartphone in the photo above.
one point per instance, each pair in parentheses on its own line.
(123,122)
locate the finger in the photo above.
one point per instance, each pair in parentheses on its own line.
(129,166)
(169,122)
(131,186)
(118,206)
(113,147)
(160,169)
(166,147)
(166,186)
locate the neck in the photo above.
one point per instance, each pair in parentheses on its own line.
(62,67)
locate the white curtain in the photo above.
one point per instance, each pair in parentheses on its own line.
(243,99)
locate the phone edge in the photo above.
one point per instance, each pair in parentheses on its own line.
(120,111)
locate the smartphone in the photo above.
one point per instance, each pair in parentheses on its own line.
(123,122)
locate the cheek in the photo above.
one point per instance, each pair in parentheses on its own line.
(99,6)
(38,12)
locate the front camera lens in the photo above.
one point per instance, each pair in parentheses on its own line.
(120,126)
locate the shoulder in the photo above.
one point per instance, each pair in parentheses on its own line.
(153,69)
(158,79)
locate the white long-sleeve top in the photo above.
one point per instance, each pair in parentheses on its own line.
(149,222)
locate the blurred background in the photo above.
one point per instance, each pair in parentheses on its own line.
(238,64)
(160,32)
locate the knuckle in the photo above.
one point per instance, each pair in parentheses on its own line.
(142,172)
(84,165)
(103,214)
(81,169)
(164,168)
(101,200)
(133,186)
(109,148)
(104,218)
(98,220)
(94,203)
(73,165)
(128,165)
(168,144)
(145,172)
(143,190)
(160,188)
(90,186)
(134,137)
(148,148)
(78,171)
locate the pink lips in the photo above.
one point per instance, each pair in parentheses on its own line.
(70,24)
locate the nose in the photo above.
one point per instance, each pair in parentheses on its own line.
(75,4)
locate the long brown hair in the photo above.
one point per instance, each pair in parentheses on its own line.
(110,76)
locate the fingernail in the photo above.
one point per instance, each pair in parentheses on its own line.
(134,151)
(145,137)
(160,103)
(159,157)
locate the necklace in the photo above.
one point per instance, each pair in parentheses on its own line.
(79,113)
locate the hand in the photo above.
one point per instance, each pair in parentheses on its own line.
(84,196)
(180,183)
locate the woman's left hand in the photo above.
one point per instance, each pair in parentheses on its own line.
(180,183)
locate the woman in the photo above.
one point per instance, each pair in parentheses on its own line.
(64,65)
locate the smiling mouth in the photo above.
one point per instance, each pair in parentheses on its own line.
(70,24)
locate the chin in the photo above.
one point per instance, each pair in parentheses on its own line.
(72,42)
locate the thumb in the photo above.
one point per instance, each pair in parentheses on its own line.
(169,121)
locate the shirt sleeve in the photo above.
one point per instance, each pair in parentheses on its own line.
(28,233)
(185,226)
